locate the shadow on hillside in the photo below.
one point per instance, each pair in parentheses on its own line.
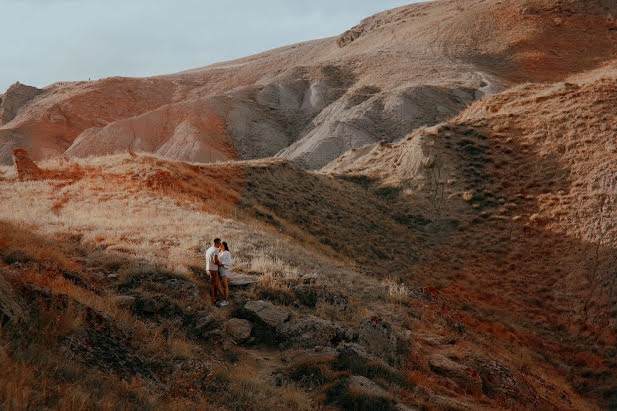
(524,282)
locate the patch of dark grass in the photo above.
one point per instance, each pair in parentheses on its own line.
(14,255)
(231,356)
(276,294)
(373,370)
(341,394)
(311,373)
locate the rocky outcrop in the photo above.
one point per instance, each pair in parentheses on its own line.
(15,97)
(363,384)
(464,376)
(347,37)
(267,313)
(266,317)
(25,168)
(309,332)
(239,329)
(377,337)
(499,382)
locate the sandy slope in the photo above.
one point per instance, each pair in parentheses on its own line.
(312,101)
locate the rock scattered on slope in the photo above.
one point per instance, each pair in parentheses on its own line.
(377,337)
(501,383)
(464,376)
(361,383)
(267,313)
(309,332)
(239,329)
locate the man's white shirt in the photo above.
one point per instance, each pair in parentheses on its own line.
(210,253)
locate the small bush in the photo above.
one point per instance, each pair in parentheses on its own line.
(372,370)
(350,399)
(311,372)
(14,255)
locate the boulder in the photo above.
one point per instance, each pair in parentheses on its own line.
(434,339)
(354,352)
(239,329)
(377,337)
(338,300)
(266,317)
(25,168)
(203,325)
(498,382)
(236,280)
(363,384)
(266,313)
(309,332)
(464,376)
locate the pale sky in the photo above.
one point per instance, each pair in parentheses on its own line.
(44,41)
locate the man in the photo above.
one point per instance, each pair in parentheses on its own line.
(212,267)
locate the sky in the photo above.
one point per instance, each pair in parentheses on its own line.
(44,41)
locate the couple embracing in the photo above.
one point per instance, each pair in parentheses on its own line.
(218,262)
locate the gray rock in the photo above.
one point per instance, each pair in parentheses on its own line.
(241,280)
(464,376)
(309,332)
(500,383)
(354,352)
(239,329)
(377,337)
(365,385)
(434,339)
(267,313)
(204,323)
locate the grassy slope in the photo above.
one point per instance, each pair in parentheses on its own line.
(282,223)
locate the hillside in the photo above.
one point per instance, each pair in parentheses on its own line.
(310,102)
(537,243)
(304,242)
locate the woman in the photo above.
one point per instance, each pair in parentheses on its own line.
(224,266)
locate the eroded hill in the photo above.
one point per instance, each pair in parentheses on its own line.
(310,102)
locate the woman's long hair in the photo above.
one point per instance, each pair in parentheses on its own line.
(225,245)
